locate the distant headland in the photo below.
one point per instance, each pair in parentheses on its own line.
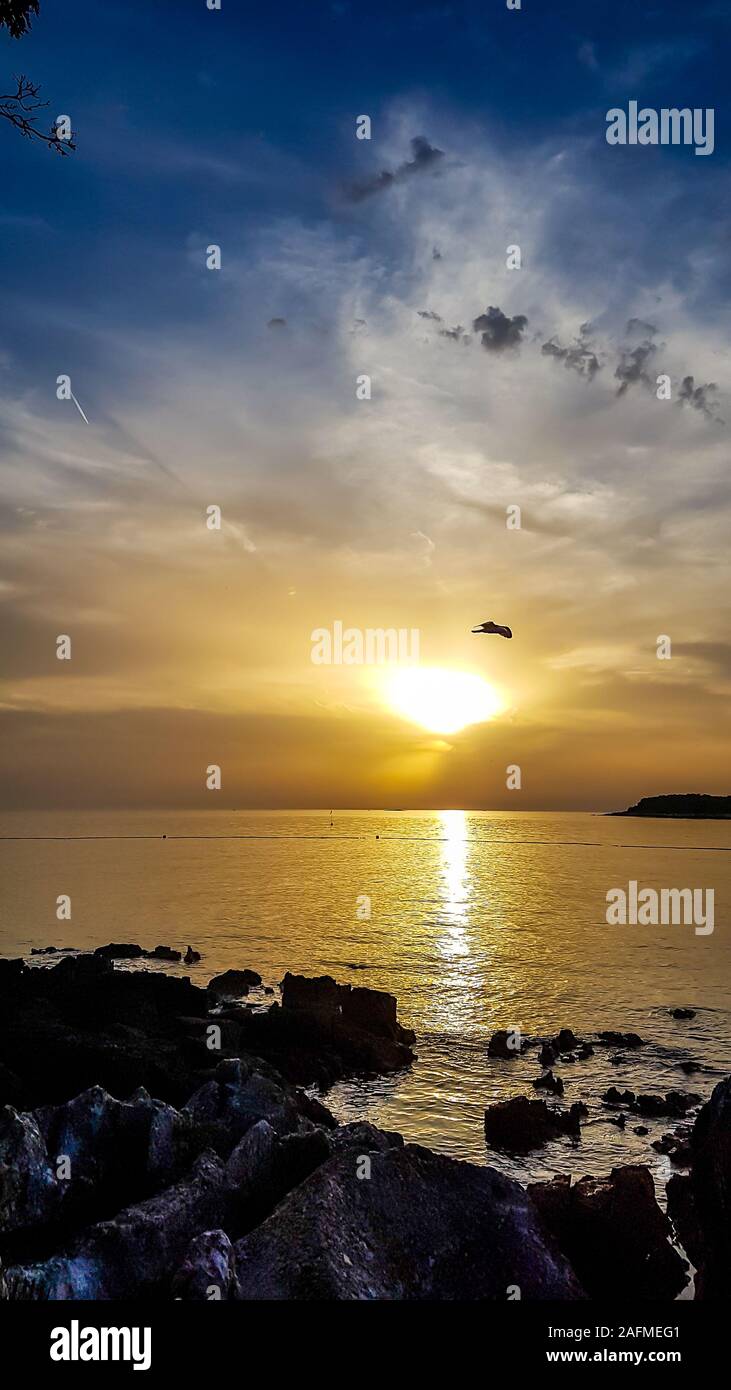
(682,806)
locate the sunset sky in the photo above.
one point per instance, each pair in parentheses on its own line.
(343,257)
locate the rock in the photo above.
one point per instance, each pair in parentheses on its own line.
(664,1145)
(675,1103)
(454,1231)
(503,1044)
(547,1055)
(233,983)
(117,951)
(615,1097)
(362,1137)
(136,1254)
(163,953)
(191,956)
(700,1204)
(631,1040)
(641,1129)
(565,1040)
(613,1233)
(208,1271)
(521,1124)
(682,1013)
(617,1060)
(30,1193)
(682,1155)
(549,1082)
(689,1067)
(584,1050)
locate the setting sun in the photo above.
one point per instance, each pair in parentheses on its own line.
(442,701)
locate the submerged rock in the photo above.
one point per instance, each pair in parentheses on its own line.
(506,1044)
(611,1039)
(613,1233)
(549,1082)
(420,1227)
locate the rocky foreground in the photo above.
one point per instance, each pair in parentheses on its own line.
(155,1142)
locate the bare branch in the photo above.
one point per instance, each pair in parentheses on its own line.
(20,108)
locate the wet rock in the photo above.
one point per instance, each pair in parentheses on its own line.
(208,1271)
(565,1040)
(675,1103)
(454,1231)
(682,1155)
(617,1060)
(362,1137)
(191,956)
(613,1233)
(549,1082)
(30,1193)
(505,1044)
(611,1039)
(234,984)
(682,1013)
(521,1124)
(615,1097)
(641,1129)
(689,1067)
(547,1055)
(584,1050)
(163,953)
(664,1145)
(700,1204)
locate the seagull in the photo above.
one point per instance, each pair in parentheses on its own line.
(493,627)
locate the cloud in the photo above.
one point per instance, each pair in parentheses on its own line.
(699,397)
(499,332)
(424,158)
(632,367)
(580,357)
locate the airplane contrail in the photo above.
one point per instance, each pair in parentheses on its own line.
(78,407)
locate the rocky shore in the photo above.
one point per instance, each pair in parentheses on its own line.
(156,1142)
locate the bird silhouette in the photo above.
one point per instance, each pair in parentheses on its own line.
(493,627)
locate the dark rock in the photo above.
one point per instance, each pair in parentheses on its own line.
(615,1097)
(617,1060)
(611,1039)
(549,1082)
(321,995)
(208,1271)
(682,1155)
(700,1204)
(613,1233)
(682,1013)
(689,1067)
(136,1254)
(641,1129)
(664,1145)
(163,953)
(191,957)
(584,1050)
(455,1231)
(565,1040)
(675,1103)
(117,951)
(503,1044)
(547,1055)
(521,1124)
(234,983)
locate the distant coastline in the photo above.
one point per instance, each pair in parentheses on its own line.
(681,806)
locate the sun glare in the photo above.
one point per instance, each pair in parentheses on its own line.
(441,701)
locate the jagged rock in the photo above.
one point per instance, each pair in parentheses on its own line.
(547,1055)
(675,1103)
(454,1231)
(700,1204)
(565,1040)
(502,1044)
(613,1233)
(233,984)
(549,1082)
(136,1254)
(521,1124)
(30,1193)
(611,1039)
(208,1271)
(362,1137)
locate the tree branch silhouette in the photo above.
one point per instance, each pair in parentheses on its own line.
(22,107)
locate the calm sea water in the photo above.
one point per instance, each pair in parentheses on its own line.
(479,921)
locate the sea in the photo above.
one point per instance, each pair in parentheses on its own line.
(476,921)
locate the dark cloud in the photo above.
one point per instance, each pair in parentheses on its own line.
(714,654)
(457,334)
(429,314)
(699,397)
(498,331)
(277,323)
(424,158)
(638,328)
(632,367)
(580,357)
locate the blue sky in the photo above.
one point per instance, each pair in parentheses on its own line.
(238,128)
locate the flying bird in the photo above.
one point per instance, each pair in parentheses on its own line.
(493,627)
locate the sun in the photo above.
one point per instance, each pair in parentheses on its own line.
(441,701)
